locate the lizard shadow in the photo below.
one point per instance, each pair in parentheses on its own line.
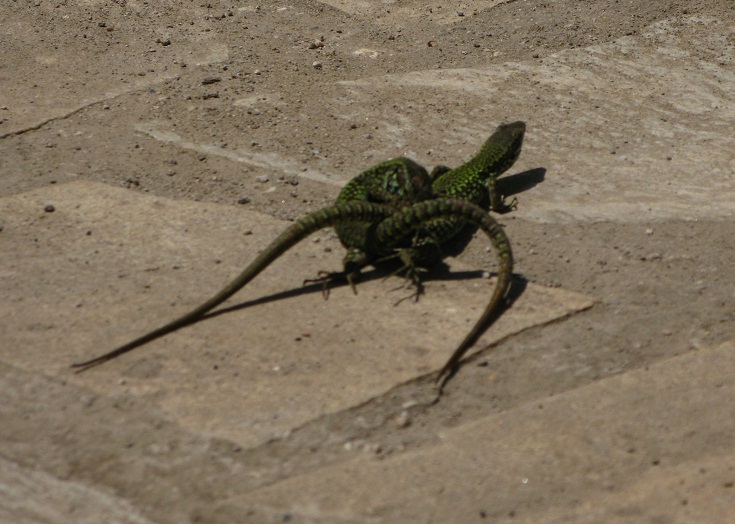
(297,292)
(520,182)
(438,272)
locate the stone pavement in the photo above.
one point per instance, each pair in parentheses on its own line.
(204,425)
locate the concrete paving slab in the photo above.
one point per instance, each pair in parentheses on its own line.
(629,130)
(130,262)
(651,445)
(119,50)
(386,13)
(615,143)
(29,496)
(83,453)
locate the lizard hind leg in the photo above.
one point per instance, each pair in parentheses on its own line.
(410,268)
(354,261)
(411,273)
(325,278)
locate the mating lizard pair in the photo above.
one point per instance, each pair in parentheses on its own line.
(395,208)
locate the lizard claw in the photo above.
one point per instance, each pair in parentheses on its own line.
(412,275)
(497,201)
(415,295)
(324,278)
(351,281)
(501,207)
(327,277)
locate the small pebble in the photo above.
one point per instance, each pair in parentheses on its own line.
(49,209)
(403,420)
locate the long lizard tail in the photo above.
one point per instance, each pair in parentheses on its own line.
(401,224)
(326,217)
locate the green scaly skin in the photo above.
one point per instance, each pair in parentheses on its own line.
(398,183)
(474,181)
(326,217)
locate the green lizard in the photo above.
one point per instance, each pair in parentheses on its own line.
(402,181)
(387,185)
(473,182)
(391,225)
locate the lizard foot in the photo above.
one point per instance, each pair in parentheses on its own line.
(325,278)
(418,291)
(412,276)
(497,201)
(411,273)
(501,207)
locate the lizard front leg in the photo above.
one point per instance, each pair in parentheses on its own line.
(497,201)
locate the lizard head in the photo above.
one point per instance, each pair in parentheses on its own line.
(504,145)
